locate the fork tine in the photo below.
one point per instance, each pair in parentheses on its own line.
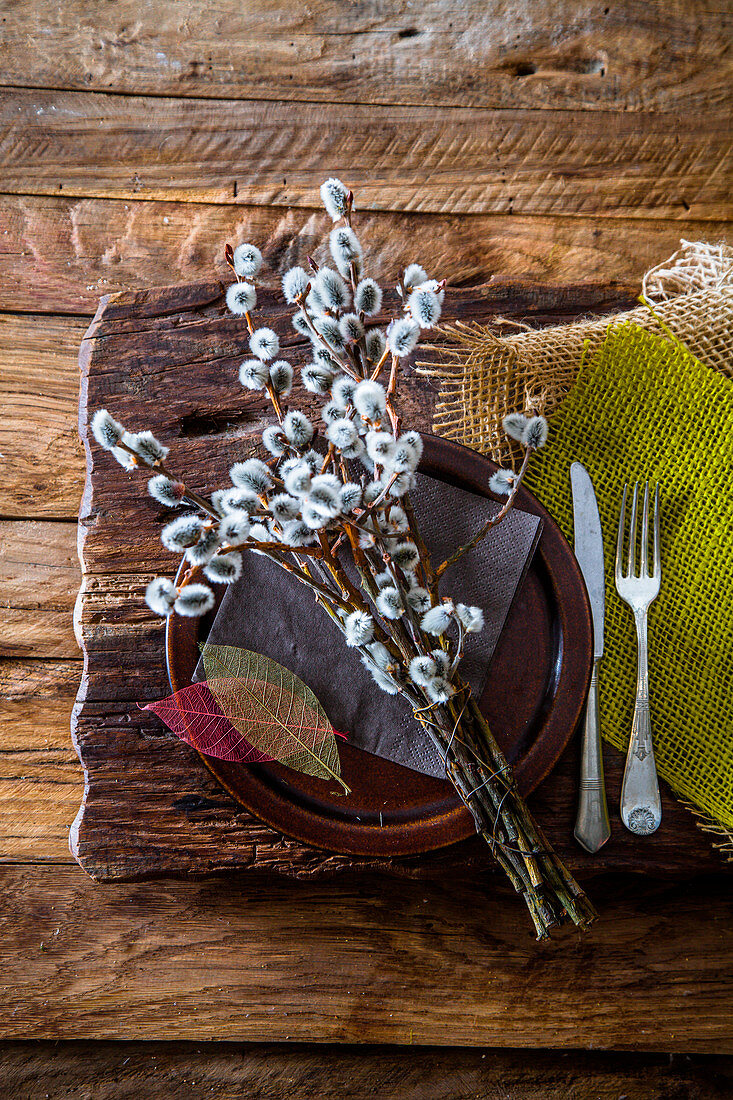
(644,567)
(632,532)
(620,540)
(657,558)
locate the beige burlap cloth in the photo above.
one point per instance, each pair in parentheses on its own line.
(484,375)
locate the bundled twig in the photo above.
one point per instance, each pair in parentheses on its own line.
(343,491)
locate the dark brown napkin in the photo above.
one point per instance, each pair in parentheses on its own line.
(270,612)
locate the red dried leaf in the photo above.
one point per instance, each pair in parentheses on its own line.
(194,715)
(273,709)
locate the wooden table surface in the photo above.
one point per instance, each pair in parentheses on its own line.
(549,140)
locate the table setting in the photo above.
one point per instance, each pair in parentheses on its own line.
(387,748)
(193,904)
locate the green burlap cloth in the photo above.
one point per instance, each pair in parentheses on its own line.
(643,407)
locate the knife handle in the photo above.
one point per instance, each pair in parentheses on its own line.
(592,826)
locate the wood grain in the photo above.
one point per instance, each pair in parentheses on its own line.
(209,960)
(41,459)
(39,573)
(41,680)
(40,781)
(593,198)
(631,55)
(61,254)
(39,1070)
(423,159)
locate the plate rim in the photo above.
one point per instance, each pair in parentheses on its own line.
(441,457)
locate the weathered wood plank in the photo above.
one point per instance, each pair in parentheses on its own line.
(40,780)
(631,55)
(38,1070)
(462,161)
(62,254)
(42,680)
(42,460)
(40,783)
(39,577)
(39,378)
(401,963)
(59,255)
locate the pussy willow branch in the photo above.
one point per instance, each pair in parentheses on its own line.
(383,633)
(370,509)
(378,369)
(414,629)
(483,531)
(160,467)
(426,564)
(339,574)
(308,580)
(473,761)
(345,367)
(275,401)
(276,547)
(507,825)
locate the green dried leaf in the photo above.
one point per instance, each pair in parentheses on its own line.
(275,711)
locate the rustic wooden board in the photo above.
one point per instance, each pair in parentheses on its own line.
(38,1070)
(168,358)
(424,159)
(363,961)
(630,55)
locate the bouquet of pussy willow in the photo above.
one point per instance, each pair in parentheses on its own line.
(339,489)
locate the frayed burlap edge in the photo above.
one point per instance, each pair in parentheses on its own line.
(483,376)
(709,825)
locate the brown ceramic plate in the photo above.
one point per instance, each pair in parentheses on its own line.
(536,686)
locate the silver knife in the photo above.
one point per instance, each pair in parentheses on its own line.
(592,827)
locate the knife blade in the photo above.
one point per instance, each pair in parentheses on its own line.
(592,825)
(589,548)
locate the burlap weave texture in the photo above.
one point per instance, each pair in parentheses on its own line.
(483,376)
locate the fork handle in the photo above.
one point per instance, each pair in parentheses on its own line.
(592,827)
(641,806)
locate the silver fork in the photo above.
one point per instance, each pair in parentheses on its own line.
(641,808)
